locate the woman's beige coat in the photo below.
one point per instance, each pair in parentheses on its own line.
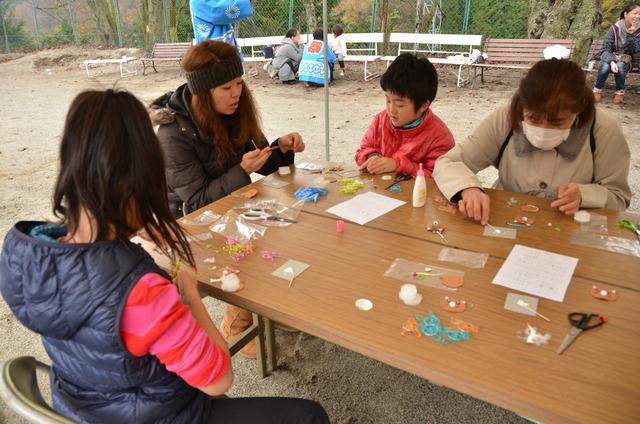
(601,176)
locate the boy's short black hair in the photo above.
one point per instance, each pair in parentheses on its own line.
(318,34)
(411,77)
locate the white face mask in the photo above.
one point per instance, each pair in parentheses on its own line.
(544,138)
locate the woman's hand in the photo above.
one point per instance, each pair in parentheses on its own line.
(379,165)
(614,67)
(292,141)
(569,198)
(252,161)
(475,205)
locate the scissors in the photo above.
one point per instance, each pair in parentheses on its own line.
(399,177)
(261,215)
(580,322)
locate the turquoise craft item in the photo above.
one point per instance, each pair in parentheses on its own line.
(395,188)
(430,326)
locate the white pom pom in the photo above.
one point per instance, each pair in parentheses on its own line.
(409,295)
(582,217)
(230,282)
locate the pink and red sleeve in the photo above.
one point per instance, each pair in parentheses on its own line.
(154,321)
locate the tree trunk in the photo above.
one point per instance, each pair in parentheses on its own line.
(152,20)
(310,13)
(575,19)
(383,18)
(104,16)
(175,6)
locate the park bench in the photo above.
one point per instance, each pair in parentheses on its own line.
(165,52)
(366,45)
(507,53)
(456,46)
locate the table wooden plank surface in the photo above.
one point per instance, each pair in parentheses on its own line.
(594,381)
(604,267)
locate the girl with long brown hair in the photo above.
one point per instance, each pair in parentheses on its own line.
(212,142)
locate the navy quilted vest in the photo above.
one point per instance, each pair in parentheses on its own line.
(73,296)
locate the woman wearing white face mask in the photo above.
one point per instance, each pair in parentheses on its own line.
(549,142)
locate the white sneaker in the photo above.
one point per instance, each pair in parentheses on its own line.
(341,73)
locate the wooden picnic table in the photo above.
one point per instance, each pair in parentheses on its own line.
(602,266)
(594,381)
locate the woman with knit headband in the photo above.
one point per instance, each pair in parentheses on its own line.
(212,141)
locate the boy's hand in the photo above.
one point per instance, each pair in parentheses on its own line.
(569,198)
(379,165)
(475,205)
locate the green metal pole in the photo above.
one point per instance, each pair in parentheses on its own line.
(165,20)
(290,14)
(4,29)
(72,20)
(116,15)
(35,21)
(467,14)
(374,4)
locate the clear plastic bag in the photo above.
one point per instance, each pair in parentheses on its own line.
(416,273)
(205,218)
(285,211)
(463,257)
(598,224)
(231,225)
(620,245)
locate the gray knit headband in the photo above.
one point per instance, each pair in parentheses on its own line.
(213,75)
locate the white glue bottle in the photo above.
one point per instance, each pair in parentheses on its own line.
(420,189)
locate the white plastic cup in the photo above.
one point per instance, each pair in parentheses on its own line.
(591,65)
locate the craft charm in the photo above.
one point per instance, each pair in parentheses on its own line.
(431,327)
(464,326)
(452,281)
(452,305)
(410,326)
(602,294)
(529,208)
(252,192)
(437,229)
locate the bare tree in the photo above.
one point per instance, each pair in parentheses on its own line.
(310,13)
(576,19)
(105,18)
(152,21)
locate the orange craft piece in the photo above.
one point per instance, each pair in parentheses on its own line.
(331,179)
(410,327)
(452,305)
(452,281)
(250,193)
(603,294)
(464,326)
(529,208)
(220,271)
(524,220)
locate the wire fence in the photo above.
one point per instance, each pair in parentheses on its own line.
(28,24)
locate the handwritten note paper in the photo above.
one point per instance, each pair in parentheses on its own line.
(365,207)
(537,272)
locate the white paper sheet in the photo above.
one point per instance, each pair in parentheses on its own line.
(537,272)
(365,207)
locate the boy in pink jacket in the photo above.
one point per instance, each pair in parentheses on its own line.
(407,133)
